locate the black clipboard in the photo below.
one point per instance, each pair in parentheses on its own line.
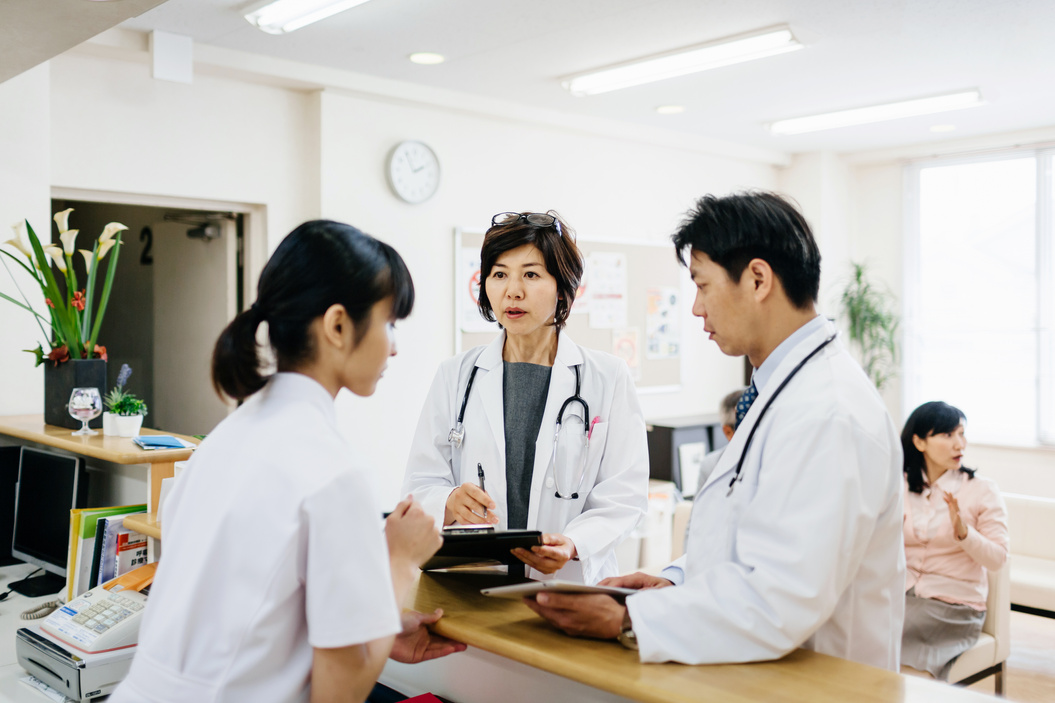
(476,546)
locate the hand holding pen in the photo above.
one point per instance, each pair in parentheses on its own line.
(469,504)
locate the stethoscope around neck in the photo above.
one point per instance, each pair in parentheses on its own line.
(457,434)
(737,475)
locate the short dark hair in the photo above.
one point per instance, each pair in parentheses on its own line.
(928,419)
(727,408)
(734,229)
(319,264)
(559,251)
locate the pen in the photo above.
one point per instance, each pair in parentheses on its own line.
(592,423)
(480,473)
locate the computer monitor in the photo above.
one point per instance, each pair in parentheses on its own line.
(49,485)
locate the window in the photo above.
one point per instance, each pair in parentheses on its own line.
(979,308)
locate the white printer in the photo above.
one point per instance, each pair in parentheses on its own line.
(85,648)
(77,675)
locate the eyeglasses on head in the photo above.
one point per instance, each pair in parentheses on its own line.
(538,219)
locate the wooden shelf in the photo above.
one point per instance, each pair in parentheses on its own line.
(118,450)
(145,524)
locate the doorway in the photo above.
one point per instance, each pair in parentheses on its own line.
(179,280)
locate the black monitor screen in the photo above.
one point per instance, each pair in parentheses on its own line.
(49,485)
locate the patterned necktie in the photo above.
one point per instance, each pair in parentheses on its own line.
(744,404)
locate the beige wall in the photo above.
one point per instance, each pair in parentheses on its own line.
(25,177)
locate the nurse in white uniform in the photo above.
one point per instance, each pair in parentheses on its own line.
(277,580)
(795,538)
(534,431)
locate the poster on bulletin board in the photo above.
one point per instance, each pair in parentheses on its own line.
(467,281)
(628,304)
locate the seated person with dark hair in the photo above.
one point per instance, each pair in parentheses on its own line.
(955,530)
(727,415)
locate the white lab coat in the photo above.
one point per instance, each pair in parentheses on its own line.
(807,550)
(273,546)
(614,493)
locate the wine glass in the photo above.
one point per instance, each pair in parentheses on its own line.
(85,404)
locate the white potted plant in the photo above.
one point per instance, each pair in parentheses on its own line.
(125,411)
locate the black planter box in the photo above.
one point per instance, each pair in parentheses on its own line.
(59,382)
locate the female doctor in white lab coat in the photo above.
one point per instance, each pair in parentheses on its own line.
(533,431)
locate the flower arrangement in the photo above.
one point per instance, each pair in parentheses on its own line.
(121,402)
(73,315)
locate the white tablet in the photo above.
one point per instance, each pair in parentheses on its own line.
(522,590)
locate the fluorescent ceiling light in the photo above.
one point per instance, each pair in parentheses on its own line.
(426,58)
(744,47)
(670,109)
(878,113)
(283,16)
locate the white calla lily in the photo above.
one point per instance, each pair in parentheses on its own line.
(68,238)
(105,247)
(17,244)
(55,252)
(19,240)
(87,259)
(110,230)
(62,219)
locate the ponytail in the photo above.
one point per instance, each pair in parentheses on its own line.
(319,264)
(235,360)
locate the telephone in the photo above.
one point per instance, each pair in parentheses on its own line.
(105,618)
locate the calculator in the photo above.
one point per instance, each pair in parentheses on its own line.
(101,620)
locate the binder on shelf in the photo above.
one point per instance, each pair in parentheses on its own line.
(108,529)
(131,552)
(83,525)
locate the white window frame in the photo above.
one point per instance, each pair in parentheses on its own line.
(1045,272)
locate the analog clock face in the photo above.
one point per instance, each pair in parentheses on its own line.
(413,171)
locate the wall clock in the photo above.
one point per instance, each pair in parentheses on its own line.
(413,171)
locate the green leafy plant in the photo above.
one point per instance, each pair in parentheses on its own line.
(119,401)
(74,316)
(873,325)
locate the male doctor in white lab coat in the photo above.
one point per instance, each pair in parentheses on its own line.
(798,545)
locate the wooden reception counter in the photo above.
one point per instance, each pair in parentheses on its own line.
(515,656)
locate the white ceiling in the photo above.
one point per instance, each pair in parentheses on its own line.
(858,53)
(33,31)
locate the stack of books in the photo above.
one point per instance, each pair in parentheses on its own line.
(101,547)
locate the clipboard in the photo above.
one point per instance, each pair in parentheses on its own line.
(471,547)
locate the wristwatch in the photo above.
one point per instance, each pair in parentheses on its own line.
(627,638)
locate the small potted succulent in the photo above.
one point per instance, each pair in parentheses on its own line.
(125,411)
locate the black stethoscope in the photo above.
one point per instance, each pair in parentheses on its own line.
(737,476)
(457,434)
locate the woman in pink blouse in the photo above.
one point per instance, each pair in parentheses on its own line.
(955,529)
